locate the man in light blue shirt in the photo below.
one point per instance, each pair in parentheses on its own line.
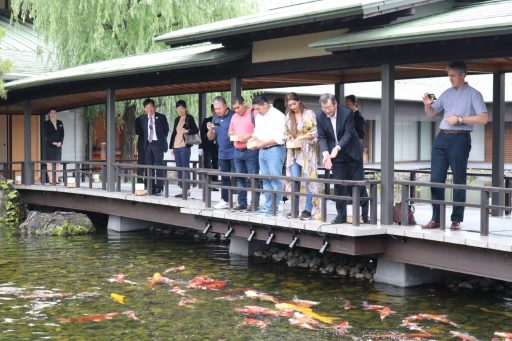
(463,107)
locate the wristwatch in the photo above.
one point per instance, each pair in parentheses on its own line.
(460,119)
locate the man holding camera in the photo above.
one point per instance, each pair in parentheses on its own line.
(463,107)
(218,130)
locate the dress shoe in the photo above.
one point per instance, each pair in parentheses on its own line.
(431,225)
(455,225)
(365,219)
(339,220)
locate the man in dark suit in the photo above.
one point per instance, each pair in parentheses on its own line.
(140,147)
(155,129)
(340,148)
(209,148)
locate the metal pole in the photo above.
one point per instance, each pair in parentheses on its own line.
(387,143)
(111,139)
(498,139)
(339,92)
(236,87)
(27,140)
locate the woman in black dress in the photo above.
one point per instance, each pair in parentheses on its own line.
(53,137)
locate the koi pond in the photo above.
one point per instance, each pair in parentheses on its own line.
(142,286)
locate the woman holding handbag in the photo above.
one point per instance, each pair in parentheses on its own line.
(182,138)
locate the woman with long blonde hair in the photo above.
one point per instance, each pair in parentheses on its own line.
(301,159)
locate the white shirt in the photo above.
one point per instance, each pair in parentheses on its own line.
(333,122)
(270,126)
(154,124)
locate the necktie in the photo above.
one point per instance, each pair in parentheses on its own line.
(151,129)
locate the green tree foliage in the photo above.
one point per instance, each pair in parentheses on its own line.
(86,31)
(5,66)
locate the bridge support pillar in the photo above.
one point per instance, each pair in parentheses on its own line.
(123,224)
(241,247)
(405,275)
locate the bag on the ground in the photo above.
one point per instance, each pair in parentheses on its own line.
(397,214)
(192,139)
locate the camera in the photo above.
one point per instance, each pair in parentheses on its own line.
(216,124)
(432,97)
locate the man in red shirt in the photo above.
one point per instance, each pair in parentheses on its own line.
(246,160)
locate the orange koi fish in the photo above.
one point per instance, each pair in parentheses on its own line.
(463,336)
(305,311)
(383,310)
(341,328)
(412,326)
(205,282)
(438,318)
(178,268)
(254,322)
(256,310)
(87,318)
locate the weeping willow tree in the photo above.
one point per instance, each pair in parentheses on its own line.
(5,66)
(87,31)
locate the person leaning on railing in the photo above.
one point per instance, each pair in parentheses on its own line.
(463,107)
(301,157)
(268,138)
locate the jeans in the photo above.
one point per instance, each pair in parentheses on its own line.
(450,150)
(246,162)
(226,166)
(296,170)
(182,158)
(271,163)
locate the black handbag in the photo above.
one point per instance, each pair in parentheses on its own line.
(192,139)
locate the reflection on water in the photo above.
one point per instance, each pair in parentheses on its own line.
(84,265)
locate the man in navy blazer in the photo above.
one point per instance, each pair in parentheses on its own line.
(155,129)
(340,148)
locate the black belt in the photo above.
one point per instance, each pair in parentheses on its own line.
(275,145)
(448,131)
(241,149)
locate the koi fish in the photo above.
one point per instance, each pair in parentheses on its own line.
(304,303)
(186,300)
(348,305)
(159,279)
(260,295)
(120,278)
(46,294)
(412,326)
(305,311)
(463,336)
(438,318)
(341,328)
(254,322)
(88,318)
(178,291)
(174,269)
(383,310)
(205,282)
(256,310)
(11,291)
(228,298)
(395,336)
(131,314)
(303,321)
(117,298)
(506,336)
